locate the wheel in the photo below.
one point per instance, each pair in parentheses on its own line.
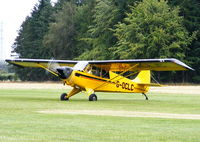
(63,97)
(92,97)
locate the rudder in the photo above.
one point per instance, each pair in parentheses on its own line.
(144,77)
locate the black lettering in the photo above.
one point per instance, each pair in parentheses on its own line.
(117,84)
(132,87)
(123,85)
(127,86)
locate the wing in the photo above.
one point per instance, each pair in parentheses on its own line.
(110,65)
(141,64)
(39,62)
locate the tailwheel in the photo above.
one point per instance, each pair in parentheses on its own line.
(92,97)
(145,96)
(63,97)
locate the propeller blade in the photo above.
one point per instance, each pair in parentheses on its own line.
(52,65)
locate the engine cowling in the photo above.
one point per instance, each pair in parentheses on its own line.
(64,72)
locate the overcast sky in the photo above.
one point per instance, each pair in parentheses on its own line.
(12,14)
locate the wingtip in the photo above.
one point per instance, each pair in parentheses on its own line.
(183,64)
(7,60)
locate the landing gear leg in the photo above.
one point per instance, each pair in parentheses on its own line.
(145,96)
(92,96)
(65,97)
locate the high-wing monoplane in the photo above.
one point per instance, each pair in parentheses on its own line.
(128,76)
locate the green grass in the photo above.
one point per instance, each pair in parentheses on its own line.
(20,121)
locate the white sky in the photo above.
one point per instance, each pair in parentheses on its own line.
(12,14)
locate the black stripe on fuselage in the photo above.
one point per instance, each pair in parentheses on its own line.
(78,74)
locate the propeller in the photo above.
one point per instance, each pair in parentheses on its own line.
(53,65)
(65,71)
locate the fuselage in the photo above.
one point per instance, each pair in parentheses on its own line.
(111,83)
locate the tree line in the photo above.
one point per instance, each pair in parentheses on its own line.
(112,29)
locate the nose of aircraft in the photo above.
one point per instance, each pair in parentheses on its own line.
(64,72)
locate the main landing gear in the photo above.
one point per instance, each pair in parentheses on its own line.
(63,97)
(90,92)
(92,97)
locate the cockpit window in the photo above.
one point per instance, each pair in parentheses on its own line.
(97,71)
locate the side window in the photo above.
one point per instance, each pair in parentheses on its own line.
(105,74)
(88,69)
(99,72)
(96,71)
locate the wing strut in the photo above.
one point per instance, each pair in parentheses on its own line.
(125,71)
(47,69)
(117,76)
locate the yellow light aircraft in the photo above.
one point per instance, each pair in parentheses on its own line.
(105,75)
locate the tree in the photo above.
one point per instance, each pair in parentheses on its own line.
(189,9)
(28,43)
(100,36)
(110,29)
(151,30)
(60,39)
(83,19)
(70,26)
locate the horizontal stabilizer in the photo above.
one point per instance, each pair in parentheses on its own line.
(151,84)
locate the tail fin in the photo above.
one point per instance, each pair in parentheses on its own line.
(144,78)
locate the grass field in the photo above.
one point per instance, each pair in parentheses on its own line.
(21,119)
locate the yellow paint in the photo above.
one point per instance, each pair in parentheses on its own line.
(117,83)
(74,91)
(143,77)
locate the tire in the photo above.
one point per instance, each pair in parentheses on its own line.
(92,97)
(63,97)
